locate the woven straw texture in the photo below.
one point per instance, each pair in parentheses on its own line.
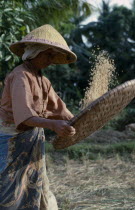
(98,113)
(47,35)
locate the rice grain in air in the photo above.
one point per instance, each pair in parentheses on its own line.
(103,75)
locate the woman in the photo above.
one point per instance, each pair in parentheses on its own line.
(29,104)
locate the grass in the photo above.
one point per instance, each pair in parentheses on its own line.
(93,176)
(94,151)
(93,184)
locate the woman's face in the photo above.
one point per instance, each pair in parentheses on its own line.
(45,58)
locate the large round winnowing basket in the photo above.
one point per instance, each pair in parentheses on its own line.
(97,114)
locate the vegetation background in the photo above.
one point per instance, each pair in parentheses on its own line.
(110,153)
(113,32)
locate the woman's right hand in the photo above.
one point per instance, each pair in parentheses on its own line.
(62,128)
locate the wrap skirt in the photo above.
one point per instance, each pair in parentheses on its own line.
(23,180)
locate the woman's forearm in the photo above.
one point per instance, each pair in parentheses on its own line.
(39,122)
(61,127)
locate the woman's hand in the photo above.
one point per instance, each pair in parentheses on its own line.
(62,128)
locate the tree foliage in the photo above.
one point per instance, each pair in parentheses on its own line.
(18,17)
(113,32)
(12,27)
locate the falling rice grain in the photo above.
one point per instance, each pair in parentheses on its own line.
(103,75)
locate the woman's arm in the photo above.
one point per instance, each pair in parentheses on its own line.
(61,127)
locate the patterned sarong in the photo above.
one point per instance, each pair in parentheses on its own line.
(23,180)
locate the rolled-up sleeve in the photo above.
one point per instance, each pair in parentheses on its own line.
(22,99)
(56,108)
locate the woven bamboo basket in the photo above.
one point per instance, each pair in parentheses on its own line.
(97,114)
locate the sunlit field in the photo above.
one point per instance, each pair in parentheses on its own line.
(105,182)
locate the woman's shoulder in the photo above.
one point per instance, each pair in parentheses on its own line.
(18,71)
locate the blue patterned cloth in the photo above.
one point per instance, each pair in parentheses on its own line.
(23,180)
(4,150)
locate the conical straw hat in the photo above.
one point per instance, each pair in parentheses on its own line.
(98,113)
(46,35)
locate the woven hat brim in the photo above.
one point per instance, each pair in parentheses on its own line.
(97,114)
(66,58)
